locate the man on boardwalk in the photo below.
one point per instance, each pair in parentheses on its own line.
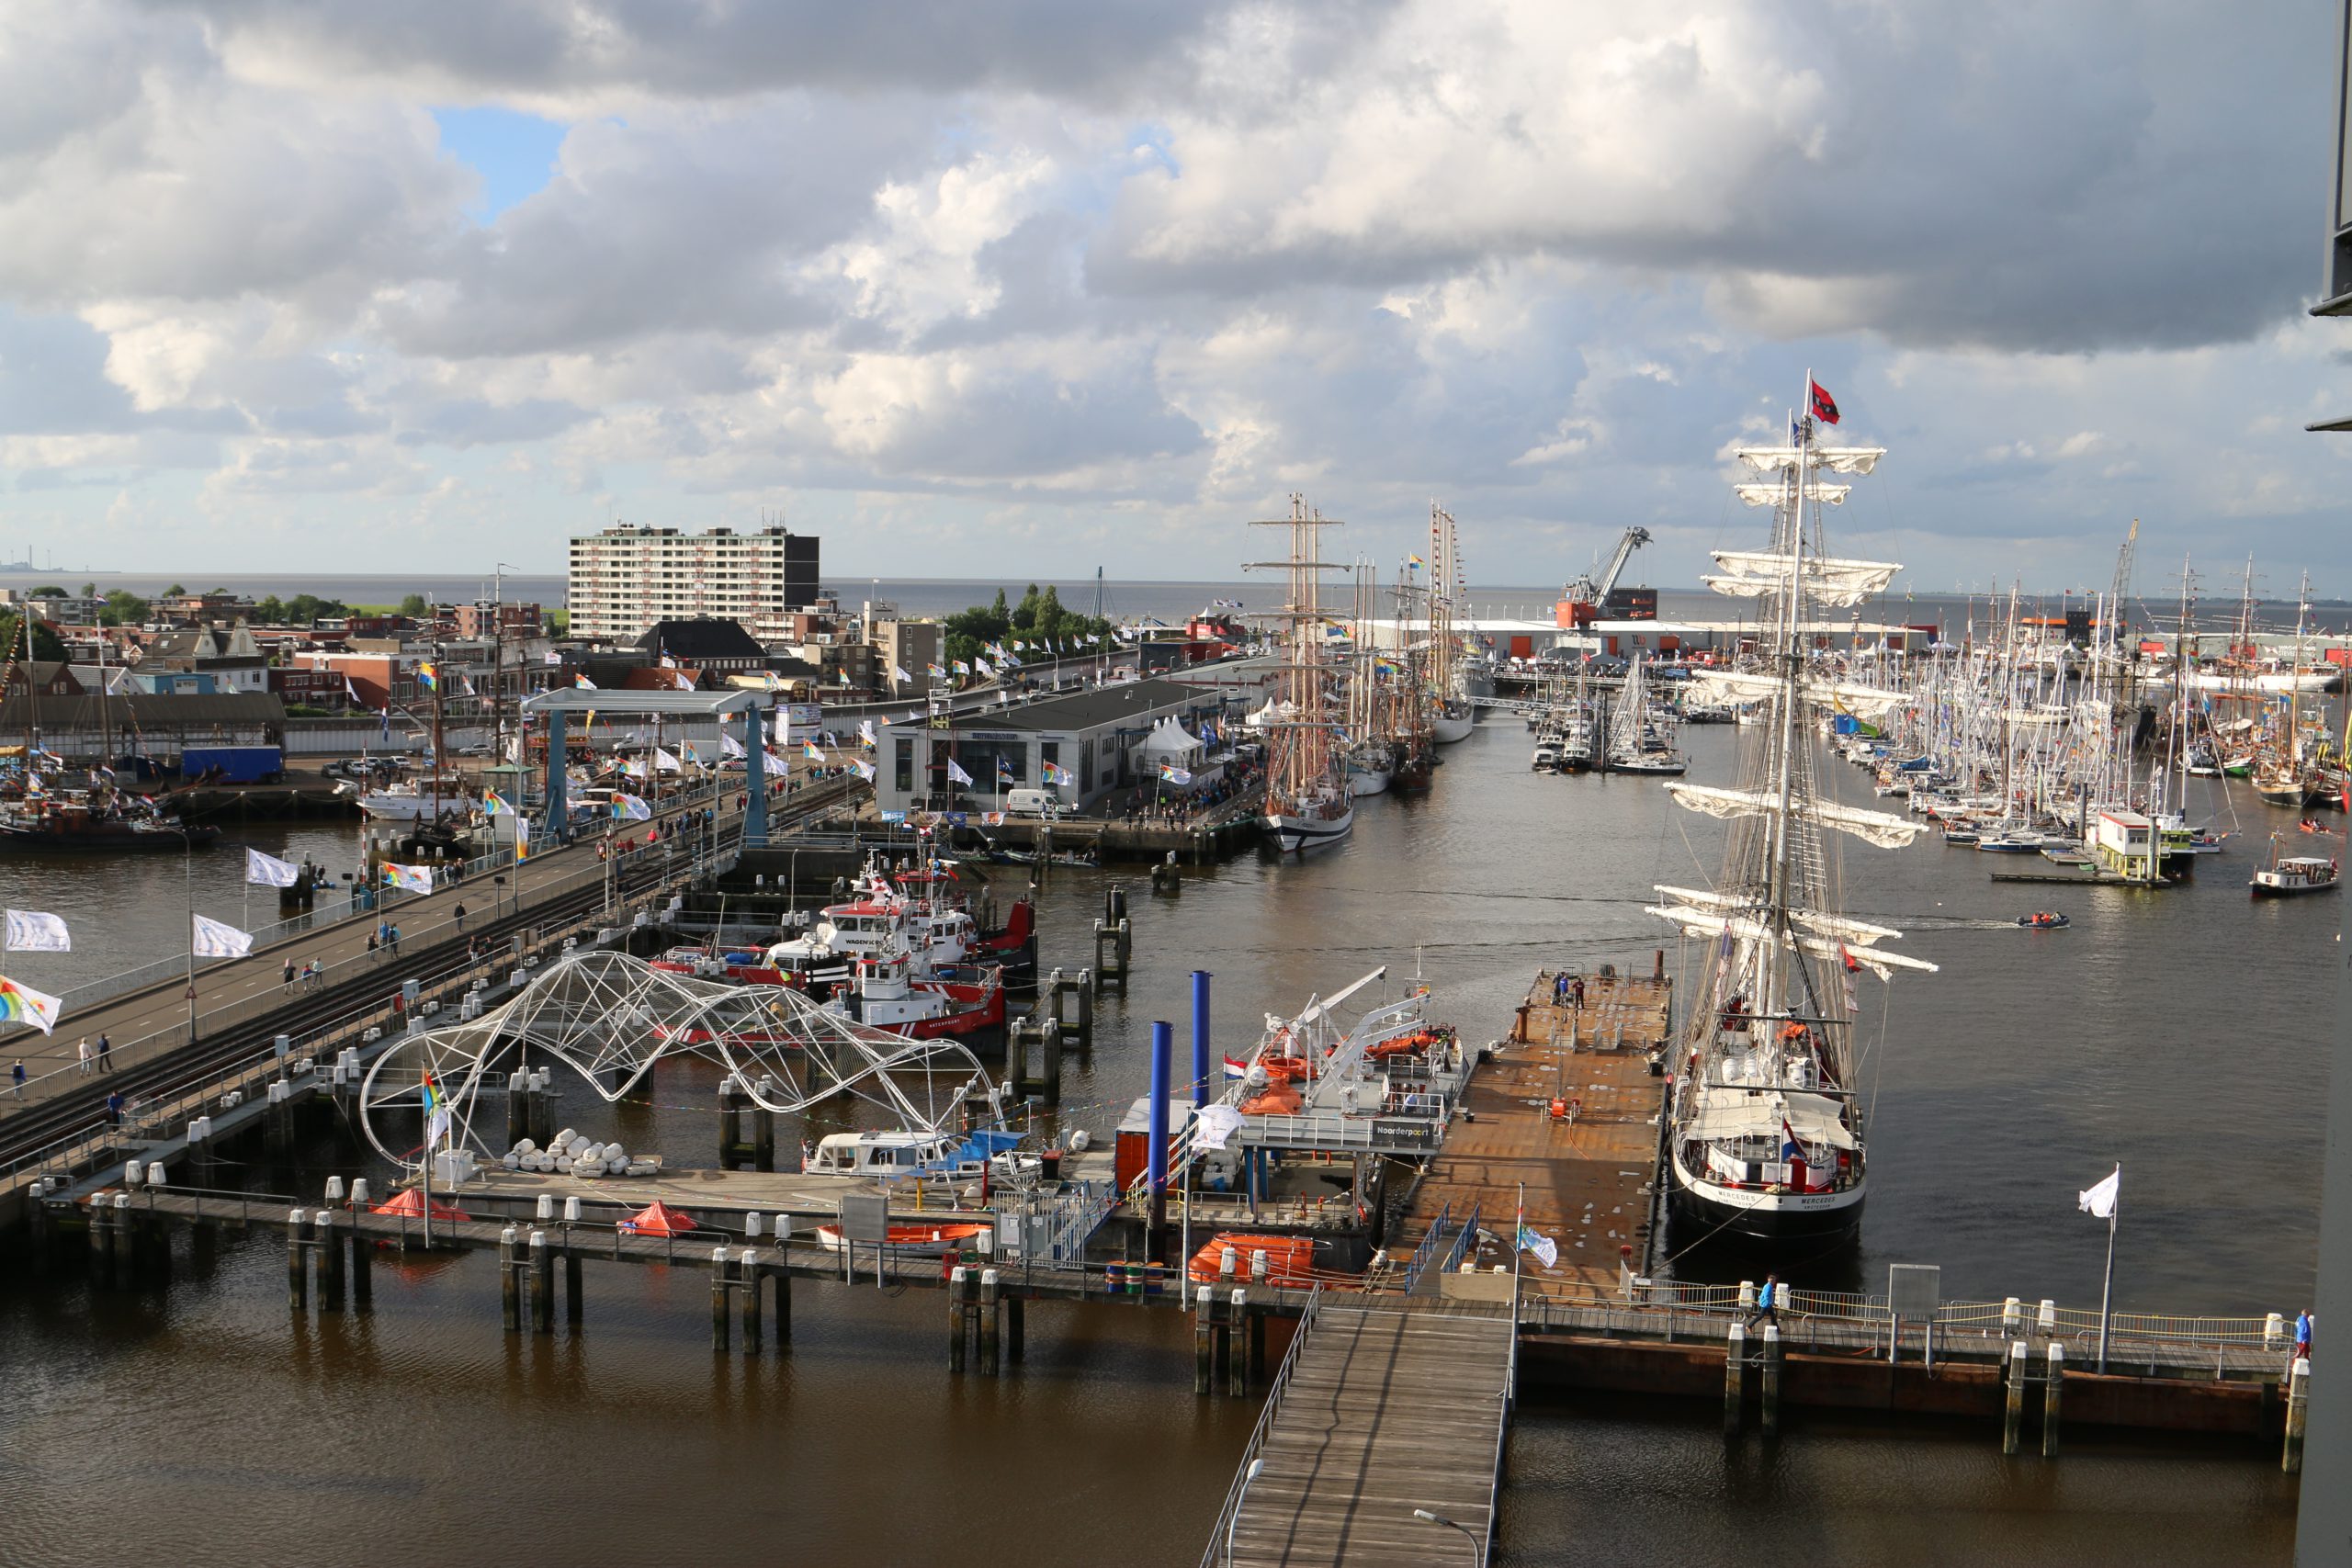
(106,1053)
(82,1050)
(460,912)
(17,1078)
(114,1108)
(1768,1303)
(393,938)
(2303,1336)
(288,977)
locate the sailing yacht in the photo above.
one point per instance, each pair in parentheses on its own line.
(1309,802)
(1452,714)
(1637,743)
(1767,1134)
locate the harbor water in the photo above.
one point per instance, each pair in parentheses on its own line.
(2178,1033)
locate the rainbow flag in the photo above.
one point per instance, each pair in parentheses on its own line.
(808,749)
(22,1004)
(428,675)
(493,803)
(584,683)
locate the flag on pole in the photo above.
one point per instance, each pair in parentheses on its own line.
(1546,1250)
(956,775)
(631,809)
(30,931)
(1175,774)
(352,693)
(493,804)
(584,683)
(1233,1069)
(1055,774)
(22,1004)
(865,733)
(686,681)
(899,672)
(862,768)
(414,878)
(783,728)
(1825,407)
(2100,1200)
(522,837)
(218,939)
(664,761)
(428,675)
(808,749)
(729,746)
(935,673)
(436,1112)
(267,871)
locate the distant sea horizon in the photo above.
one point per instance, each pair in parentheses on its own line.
(1168,600)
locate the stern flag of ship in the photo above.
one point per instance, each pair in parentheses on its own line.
(1825,407)
(1546,1250)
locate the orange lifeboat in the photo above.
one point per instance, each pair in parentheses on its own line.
(1290,1259)
(1275,1100)
(1284,1069)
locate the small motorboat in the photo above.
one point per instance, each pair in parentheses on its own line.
(2288,874)
(2044,921)
(912,1240)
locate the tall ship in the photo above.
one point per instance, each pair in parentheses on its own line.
(1767,1135)
(1452,714)
(1309,801)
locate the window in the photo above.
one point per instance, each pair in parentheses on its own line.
(902,774)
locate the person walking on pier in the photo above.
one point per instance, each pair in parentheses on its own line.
(114,1108)
(83,1051)
(106,1053)
(392,940)
(460,913)
(288,984)
(1768,1303)
(17,1078)
(2303,1336)
(372,945)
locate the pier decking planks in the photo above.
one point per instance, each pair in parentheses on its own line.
(1583,1177)
(1386,1409)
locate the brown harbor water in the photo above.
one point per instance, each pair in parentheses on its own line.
(2178,1033)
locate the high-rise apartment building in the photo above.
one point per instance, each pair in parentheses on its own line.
(625,578)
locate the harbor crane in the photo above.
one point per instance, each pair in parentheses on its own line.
(1584,595)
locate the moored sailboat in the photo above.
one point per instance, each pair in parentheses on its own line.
(1767,1135)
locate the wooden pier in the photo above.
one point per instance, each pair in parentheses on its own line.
(1377,1411)
(1567,1113)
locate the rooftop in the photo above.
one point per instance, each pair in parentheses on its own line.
(1089,710)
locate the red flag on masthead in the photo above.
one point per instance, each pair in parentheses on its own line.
(1825,407)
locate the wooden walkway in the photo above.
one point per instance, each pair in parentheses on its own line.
(1381,1409)
(1584,1174)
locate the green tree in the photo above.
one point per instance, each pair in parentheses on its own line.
(124,608)
(48,591)
(305,609)
(270,612)
(89,591)
(415,608)
(174,592)
(46,644)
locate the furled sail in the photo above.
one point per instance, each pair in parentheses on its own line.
(1858,931)
(1771,493)
(1836,459)
(1874,827)
(1832,579)
(1743,686)
(1696,922)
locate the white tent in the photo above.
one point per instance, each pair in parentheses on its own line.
(1168,742)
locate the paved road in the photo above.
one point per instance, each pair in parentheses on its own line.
(147,1024)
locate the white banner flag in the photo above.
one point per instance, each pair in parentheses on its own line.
(729,746)
(22,1004)
(217,939)
(29,931)
(2100,1200)
(663,760)
(268,871)
(409,878)
(1546,1250)
(1213,1124)
(956,775)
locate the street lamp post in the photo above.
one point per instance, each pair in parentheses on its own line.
(1256,1465)
(187,878)
(1477,1547)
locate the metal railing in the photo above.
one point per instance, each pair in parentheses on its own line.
(1462,1243)
(1430,1241)
(1258,1433)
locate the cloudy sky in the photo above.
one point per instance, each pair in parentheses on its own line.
(1027,287)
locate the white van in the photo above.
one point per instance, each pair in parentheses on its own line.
(1035,803)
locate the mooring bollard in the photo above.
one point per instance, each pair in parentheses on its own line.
(730,1124)
(1769,1382)
(2299,1383)
(2013,1398)
(1734,1369)
(955,1318)
(782,1281)
(296,1289)
(2054,1393)
(991,1322)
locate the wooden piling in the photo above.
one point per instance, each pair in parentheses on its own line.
(730,1126)
(2299,1383)
(763,1130)
(2053,1392)
(719,1314)
(100,1262)
(2013,1398)
(1769,1382)
(991,1322)
(748,1274)
(296,1286)
(1253,1332)
(363,1269)
(538,1108)
(955,1318)
(1237,1355)
(573,1311)
(519,1120)
(1015,1329)
(510,1296)
(542,1284)
(330,1262)
(1734,1369)
(1204,1342)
